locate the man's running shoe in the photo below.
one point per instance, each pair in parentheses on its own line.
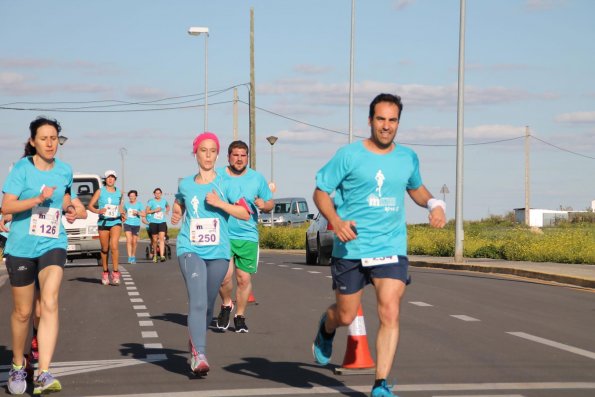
(383,390)
(198,361)
(116,278)
(322,348)
(163,259)
(224,317)
(17,379)
(46,383)
(105,278)
(34,348)
(154,258)
(240,323)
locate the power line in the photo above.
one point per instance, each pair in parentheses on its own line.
(562,149)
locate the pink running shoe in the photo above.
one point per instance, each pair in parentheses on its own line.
(116,278)
(105,278)
(198,361)
(34,348)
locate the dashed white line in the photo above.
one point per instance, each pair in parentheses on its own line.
(143,314)
(296,268)
(313,272)
(422,304)
(146,323)
(133,293)
(557,345)
(149,334)
(136,300)
(139,307)
(464,317)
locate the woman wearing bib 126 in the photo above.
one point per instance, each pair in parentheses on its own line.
(134,213)
(109,207)
(36,196)
(156,210)
(203,246)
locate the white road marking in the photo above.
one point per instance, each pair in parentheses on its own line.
(329,276)
(422,304)
(139,307)
(280,265)
(146,323)
(557,345)
(313,272)
(464,317)
(481,395)
(131,288)
(296,268)
(366,389)
(132,293)
(149,334)
(153,346)
(143,314)
(136,300)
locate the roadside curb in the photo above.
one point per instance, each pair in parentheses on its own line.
(559,278)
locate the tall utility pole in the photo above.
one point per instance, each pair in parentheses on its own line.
(235,114)
(459,234)
(527,184)
(252,137)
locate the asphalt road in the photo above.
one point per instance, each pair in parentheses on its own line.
(462,334)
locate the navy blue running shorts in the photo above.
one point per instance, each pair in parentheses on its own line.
(24,271)
(349,276)
(132,229)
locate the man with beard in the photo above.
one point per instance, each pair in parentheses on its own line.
(252,190)
(369,179)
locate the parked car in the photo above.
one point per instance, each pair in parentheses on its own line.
(289,211)
(319,241)
(83,236)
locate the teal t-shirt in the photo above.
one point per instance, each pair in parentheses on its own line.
(38,230)
(370,190)
(248,186)
(203,223)
(132,213)
(157,217)
(111,202)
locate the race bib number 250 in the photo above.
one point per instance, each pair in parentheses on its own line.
(204,231)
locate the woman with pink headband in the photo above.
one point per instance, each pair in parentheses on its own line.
(203,243)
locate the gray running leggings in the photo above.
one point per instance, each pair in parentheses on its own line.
(203,278)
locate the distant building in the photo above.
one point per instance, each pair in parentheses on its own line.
(544,218)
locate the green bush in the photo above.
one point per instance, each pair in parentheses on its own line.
(283,237)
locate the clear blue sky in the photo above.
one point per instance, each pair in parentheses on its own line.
(528,62)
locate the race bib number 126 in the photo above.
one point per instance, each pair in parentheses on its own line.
(45,222)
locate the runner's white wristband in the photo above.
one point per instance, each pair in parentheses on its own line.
(433,203)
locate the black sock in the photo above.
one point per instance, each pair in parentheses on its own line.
(378,382)
(325,334)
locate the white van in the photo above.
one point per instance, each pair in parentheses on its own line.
(289,211)
(83,236)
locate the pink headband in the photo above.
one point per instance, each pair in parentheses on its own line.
(201,137)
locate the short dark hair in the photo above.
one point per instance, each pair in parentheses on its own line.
(238,145)
(386,98)
(132,191)
(157,188)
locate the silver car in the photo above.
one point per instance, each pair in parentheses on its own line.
(319,241)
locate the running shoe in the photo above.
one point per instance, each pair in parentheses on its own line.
(46,383)
(240,324)
(322,348)
(163,259)
(105,278)
(17,379)
(223,319)
(34,348)
(116,278)
(154,258)
(198,361)
(129,259)
(383,390)
(133,259)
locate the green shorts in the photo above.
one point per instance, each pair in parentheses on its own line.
(245,255)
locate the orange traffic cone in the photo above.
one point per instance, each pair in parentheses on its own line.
(252,299)
(357,358)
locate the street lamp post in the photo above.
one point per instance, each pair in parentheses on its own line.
(272,139)
(61,140)
(123,152)
(197,31)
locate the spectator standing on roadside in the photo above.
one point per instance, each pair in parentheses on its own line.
(203,248)
(134,213)
(157,209)
(251,186)
(370,179)
(36,196)
(109,202)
